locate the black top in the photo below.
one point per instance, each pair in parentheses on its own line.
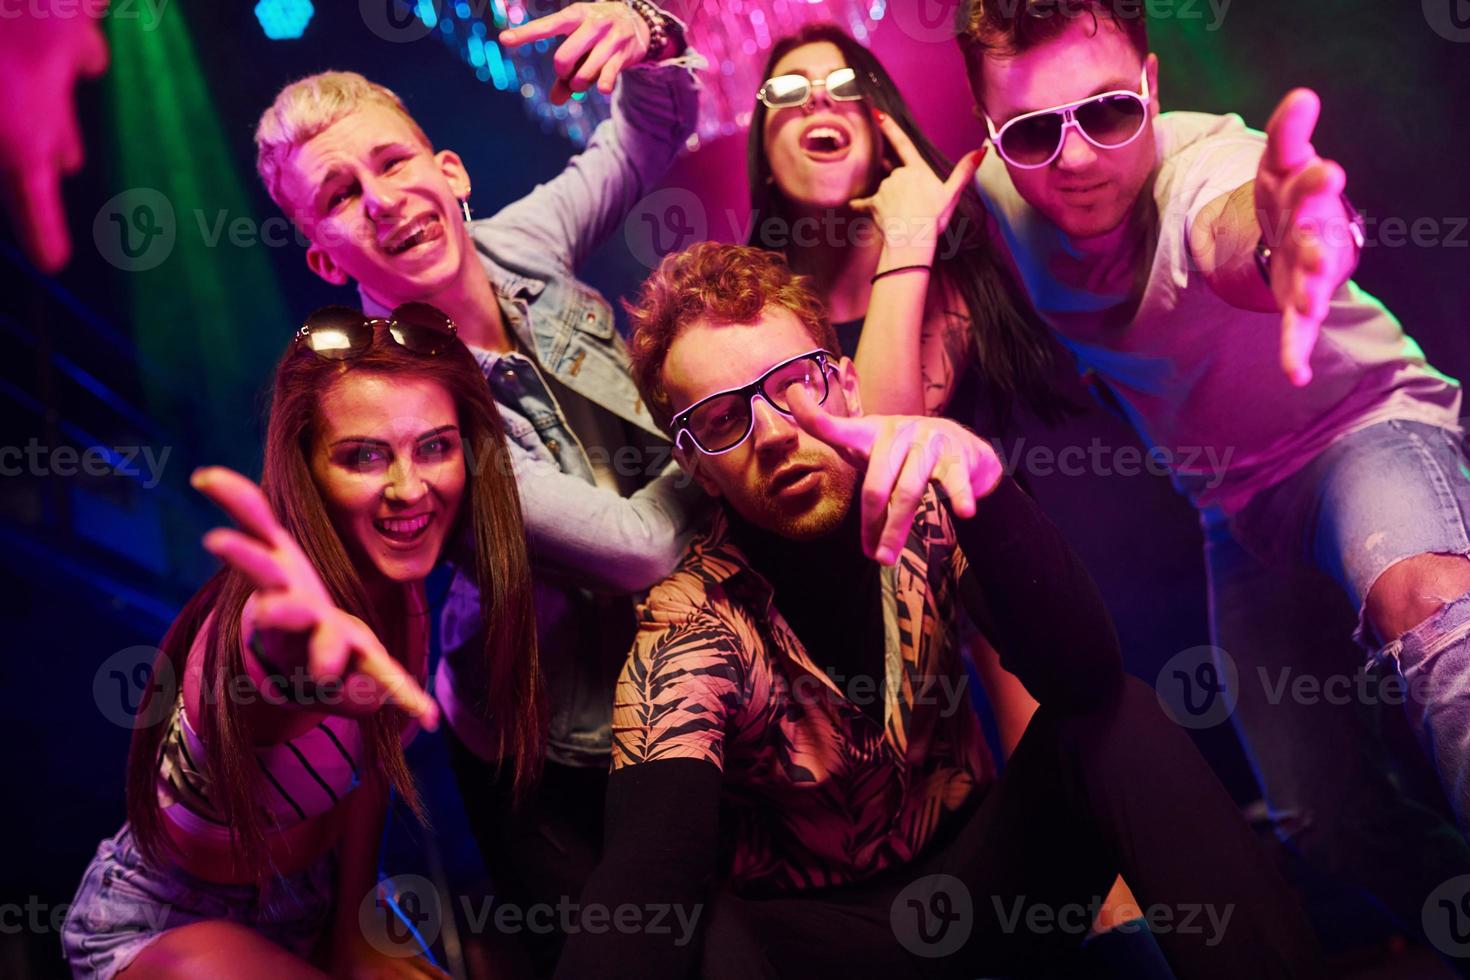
(830,595)
(1026,589)
(848,333)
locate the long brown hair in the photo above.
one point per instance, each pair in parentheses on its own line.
(1012,348)
(488,527)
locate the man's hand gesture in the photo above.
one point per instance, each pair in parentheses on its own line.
(1303,221)
(902,456)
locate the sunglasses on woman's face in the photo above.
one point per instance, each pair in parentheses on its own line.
(793,91)
(724,420)
(1109,121)
(338,333)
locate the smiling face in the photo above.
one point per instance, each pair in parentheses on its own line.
(824,153)
(389,464)
(780,478)
(379,207)
(1087,190)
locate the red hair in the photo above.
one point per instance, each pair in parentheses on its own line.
(720,283)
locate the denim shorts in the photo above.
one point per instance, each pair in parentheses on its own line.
(1371,499)
(124,904)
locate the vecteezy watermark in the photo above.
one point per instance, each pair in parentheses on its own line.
(39,917)
(1208,463)
(1154,10)
(668,220)
(397,21)
(949,693)
(135,230)
(34,916)
(34,459)
(1185,919)
(634,462)
(404,914)
(401,916)
(124,679)
(1424,231)
(138,229)
(1446,917)
(1365,688)
(569,916)
(1378,231)
(1198,687)
(933,917)
(671,219)
(148,12)
(927,21)
(406,21)
(1450,19)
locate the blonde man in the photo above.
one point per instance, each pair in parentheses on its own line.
(384,210)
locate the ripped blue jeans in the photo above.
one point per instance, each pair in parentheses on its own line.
(1373,498)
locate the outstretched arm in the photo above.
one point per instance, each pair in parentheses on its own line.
(1025,587)
(655,108)
(292,627)
(1295,206)
(599,538)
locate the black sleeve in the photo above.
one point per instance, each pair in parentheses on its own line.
(1028,591)
(660,847)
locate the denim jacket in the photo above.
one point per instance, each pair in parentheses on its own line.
(592,546)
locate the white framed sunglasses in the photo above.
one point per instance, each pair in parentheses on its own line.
(1108,121)
(718,423)
(793,91)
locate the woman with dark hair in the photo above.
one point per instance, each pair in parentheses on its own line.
(904,245)
(268,744)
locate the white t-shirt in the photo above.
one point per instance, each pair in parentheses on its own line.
(1202,379)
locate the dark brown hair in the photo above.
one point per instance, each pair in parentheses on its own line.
(1012,348)
(721,283)
(1006,28)
(488,526)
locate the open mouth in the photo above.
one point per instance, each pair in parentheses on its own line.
(825,141)
(796,477)
(403,530)
(418,232)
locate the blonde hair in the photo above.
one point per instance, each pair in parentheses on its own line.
(308,106)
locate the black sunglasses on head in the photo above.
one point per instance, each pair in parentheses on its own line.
(338,333)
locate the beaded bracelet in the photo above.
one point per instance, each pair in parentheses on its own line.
(665,37)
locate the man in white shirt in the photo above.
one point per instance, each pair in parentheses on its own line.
(1201,269)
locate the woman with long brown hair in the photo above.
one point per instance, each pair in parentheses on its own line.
(258,782)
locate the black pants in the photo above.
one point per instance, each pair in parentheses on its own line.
(1010,887)
(541,852)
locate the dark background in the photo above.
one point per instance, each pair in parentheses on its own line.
(173,358)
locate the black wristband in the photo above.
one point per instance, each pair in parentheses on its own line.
(900,268)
